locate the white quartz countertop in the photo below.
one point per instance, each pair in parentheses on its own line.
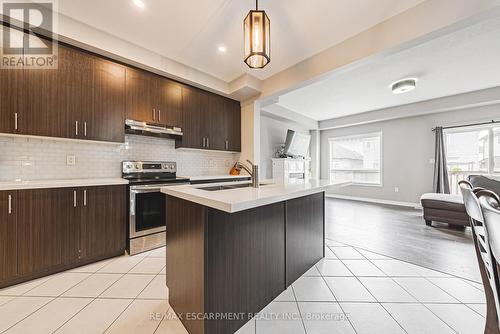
(40,184)
(216,177)
(234,200)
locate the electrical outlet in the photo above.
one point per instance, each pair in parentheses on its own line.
(432,161)
(396,189)
(70,160)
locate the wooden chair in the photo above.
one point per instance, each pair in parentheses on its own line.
(484,254)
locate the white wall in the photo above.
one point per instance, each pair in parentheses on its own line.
(407,146)
(272,134)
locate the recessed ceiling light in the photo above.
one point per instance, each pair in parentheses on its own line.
(139,3)
(222,49)
(404,85)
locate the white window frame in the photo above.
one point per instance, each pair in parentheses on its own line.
(361,135)
(491,145)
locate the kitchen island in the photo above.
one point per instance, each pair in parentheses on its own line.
(232,249)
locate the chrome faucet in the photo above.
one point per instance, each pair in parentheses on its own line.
(254,172)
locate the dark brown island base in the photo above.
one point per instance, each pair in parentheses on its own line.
(224,267)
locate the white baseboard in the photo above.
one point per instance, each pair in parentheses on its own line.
(376,200)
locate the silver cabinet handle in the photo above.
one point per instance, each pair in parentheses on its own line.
(154,114)
(227,145)
(203,145)
(159,114)
(15,121)
(10,204)
(85,129)
(85,198)
(74,198)
(76,128)
(208,143)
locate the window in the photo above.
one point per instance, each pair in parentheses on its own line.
(474,150)
(356,159)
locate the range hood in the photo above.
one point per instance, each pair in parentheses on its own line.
(152,130)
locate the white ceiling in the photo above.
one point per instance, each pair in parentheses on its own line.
(190,31)
(464,61)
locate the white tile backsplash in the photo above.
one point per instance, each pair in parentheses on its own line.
(32,158)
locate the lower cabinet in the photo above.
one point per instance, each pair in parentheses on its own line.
(43,231)
(102,228)
(8,235)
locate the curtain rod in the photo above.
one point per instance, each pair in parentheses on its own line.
(467,125)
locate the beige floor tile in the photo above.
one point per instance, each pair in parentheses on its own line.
(142,316)
(58,284)
(312,289)
(157,289)
(129,286)
(93,267)
(424,291)
(150,265)
(286,296)
(93,286)
(332,268)
(5,299)
(171,325)
(21,289)
(347,253)
(18,309)
(363,268)
(96,317)
(461,290)
(325,318)
(164,271)
(121,265)
(348,289)
(280,317)
(417,319)
(159,252)
(478,308)
(372,255)
(459,317)
(51,316)
(371,318)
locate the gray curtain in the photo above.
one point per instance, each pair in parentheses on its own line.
(441,182)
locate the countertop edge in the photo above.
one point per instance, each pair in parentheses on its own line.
(49,184)
(244,205)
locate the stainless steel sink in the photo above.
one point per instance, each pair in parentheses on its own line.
(230,186)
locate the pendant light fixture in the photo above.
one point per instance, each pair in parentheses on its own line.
(257,37)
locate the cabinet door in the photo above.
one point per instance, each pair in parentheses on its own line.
(103,225)
(75,85)
(8,235)
(141,95)
(192,118)
(233,112)
(170,103)
(46,229)
(217,123)
(11,91)
(56,98)
(106,120)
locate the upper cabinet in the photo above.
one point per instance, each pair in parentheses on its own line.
(210,121)
(83,98)
(140,95)
(108,101)
(89,97)
(153,99)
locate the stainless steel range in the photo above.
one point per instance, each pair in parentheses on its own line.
(146,228)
